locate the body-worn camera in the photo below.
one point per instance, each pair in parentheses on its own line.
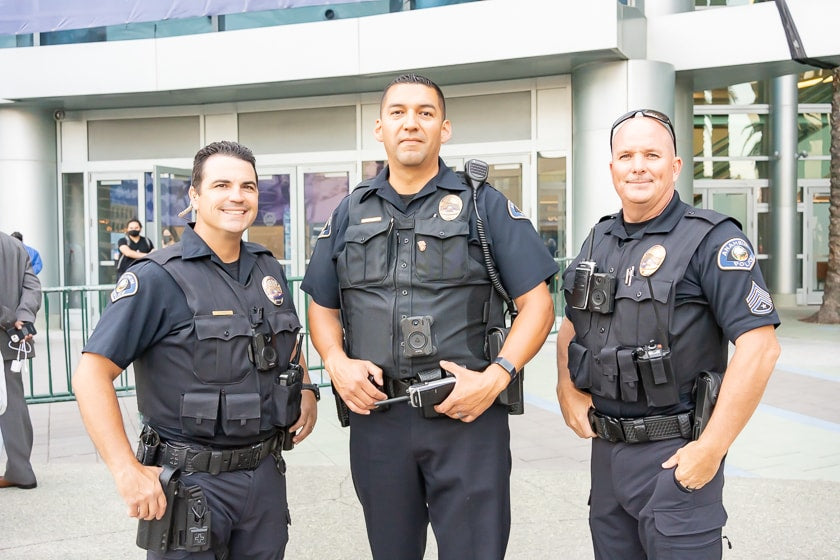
(417,336)
(654,364)
(592,291)
(263,354)
(17,335)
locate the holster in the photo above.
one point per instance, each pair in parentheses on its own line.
(341,409)
(513,395)
(185,524)
(706,389)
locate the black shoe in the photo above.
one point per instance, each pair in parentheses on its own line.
(7,484)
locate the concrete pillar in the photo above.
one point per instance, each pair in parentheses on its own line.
(784,99)
(28,191)
(601,93)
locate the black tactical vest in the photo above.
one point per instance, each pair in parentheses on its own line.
(414,289)
(199,380)
(603,354)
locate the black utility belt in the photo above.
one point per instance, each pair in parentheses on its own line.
(191,458)
(639,430)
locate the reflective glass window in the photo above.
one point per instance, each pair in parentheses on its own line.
(273,226)
(749,93)
(551,200)
(734,135)
(321,194)
(814,134)
(815,86)
(814,168)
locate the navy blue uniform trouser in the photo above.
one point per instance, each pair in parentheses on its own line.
(410,471)
(638,512)
(249,512)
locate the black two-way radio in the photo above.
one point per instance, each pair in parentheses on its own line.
(476,173)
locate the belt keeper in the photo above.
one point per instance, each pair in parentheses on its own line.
(214,466)
(639,431)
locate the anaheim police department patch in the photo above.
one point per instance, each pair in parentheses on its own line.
(126,286)
(736,254)
(515,212)
(327,230)
(758,300)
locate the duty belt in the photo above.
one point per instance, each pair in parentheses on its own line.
(399,387)
(197,458)
(638,430)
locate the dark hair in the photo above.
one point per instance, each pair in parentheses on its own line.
(226,148)
(139,223)
(18,236)
(414,79)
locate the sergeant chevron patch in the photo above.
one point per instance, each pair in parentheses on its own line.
(758,300)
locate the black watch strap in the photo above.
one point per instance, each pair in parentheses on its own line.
(509,367)
(312,387)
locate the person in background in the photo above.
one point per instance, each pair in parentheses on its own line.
(34,256)
(20,300)
(167,237)
(133,246)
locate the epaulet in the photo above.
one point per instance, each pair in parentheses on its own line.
(162,256)
(256,248)
(710,216)
(608,217)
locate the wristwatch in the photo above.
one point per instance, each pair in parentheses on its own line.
(508,367)
(312,387)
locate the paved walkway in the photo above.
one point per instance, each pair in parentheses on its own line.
(782,491)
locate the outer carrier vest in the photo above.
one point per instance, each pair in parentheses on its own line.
(199,380)
(601,355)
(396,266)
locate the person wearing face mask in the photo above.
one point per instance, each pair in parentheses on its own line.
(167,237)
(133,246)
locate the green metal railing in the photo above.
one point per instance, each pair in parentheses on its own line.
(70,314)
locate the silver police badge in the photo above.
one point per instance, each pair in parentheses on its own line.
(652,260)
(450,207)
(273,290)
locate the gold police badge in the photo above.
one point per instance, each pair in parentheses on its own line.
(273,290)
(449,207)
(652,260)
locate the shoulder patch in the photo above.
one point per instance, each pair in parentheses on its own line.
(127,286)
(515,212)
(758,300)
(736,254)
(327,230)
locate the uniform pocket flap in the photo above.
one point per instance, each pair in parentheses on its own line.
(362,233)
(441,228)
(242,407)
(200,406)
(281,321)
(223,327)
(700,519)
(638,290)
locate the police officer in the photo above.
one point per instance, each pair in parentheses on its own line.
(210,326)
(653,300)
(399,290)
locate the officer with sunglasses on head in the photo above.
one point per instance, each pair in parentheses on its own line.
(653,300)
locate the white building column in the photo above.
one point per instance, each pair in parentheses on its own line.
(784,101)
(28,191)
(600,94)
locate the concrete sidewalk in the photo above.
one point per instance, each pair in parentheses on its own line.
(782,491)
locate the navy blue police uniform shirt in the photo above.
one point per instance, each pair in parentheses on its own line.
(734,288)
(518,252)
(148,304)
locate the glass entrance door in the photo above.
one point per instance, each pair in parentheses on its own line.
(117,198)
(733,200)
(815,234)
(169,189)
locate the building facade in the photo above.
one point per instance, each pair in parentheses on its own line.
(98,125)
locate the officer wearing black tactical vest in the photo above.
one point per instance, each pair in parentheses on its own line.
(210,326)
(652,301)
(400,296)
